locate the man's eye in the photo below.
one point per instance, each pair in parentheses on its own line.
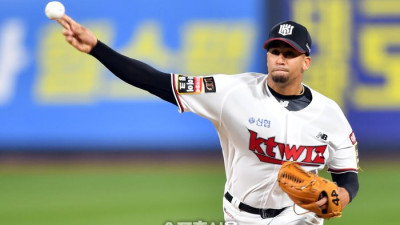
(275,52)
(289,54)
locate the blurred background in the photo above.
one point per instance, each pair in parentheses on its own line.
(78,143)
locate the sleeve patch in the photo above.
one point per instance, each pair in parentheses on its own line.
(189,85)
(353,138)
(209,84)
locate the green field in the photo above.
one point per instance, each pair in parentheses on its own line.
(154,194)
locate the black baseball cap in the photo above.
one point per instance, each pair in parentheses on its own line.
(294,34)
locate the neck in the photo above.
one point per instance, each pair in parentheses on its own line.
(287,90)
(291,87)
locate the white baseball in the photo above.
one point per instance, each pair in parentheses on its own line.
(54,10)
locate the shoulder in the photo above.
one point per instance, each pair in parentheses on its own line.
(329,106)
(241,79)
(243,84)
(221,84)
(249,76)
(322,99)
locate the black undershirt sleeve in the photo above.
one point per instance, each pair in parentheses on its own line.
(349,181)
(135,72)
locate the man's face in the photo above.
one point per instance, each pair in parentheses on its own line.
(285,63)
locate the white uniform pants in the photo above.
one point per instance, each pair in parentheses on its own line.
(287,217)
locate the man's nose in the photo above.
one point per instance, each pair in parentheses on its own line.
(280,59)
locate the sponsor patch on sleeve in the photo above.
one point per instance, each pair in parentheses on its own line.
(353,138)
(209,84)
(189,85)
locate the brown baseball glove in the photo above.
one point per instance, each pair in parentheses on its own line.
(306,188)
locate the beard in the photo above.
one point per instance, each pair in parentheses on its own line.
(279,78)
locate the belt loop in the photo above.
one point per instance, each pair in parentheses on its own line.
(264,214)
(235,202)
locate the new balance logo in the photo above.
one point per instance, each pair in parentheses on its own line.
(322,136)
(286,29)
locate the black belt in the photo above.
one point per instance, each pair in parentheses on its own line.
(264,213)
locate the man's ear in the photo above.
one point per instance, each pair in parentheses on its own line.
(307,63)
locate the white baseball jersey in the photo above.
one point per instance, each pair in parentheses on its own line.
(258,134)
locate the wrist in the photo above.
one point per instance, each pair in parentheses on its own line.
(344,197)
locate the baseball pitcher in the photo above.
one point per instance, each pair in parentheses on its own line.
(276,132)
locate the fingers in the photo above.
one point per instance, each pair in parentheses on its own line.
(66,32)
(322,203)
(63,21)
(77,35)
(69,20)
(69,24)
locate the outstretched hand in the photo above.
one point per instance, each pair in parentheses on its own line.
(77,35)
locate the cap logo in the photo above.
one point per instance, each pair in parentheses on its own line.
(286,29)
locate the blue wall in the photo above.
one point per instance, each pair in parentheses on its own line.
(52,97)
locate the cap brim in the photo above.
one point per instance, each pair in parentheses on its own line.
(288,41)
